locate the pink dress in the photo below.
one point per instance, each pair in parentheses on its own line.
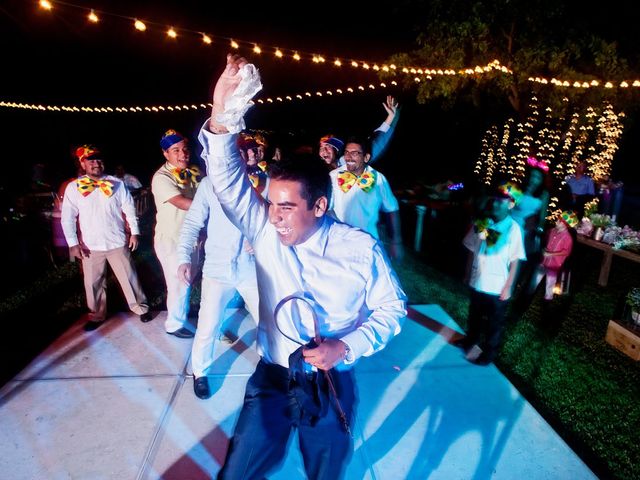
(559,242)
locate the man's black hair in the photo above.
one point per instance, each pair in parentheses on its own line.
(364,142)
(309,170)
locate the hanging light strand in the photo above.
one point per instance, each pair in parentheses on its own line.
(94,15)
(186,107)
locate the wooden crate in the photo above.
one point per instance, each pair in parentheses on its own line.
(626,339)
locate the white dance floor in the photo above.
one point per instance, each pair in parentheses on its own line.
(118,403)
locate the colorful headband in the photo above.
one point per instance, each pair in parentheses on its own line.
(169,138)
(86,152)
(510,191)
(570,218)
(535,163)
(335,142)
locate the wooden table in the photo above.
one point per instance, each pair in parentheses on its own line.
(607,255)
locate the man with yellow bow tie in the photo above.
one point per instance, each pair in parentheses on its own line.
(173,186)
(97,202)
(359,193)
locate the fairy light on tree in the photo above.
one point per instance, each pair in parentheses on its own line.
(592,136)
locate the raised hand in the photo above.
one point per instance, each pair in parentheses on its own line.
(391,105)
(225,86)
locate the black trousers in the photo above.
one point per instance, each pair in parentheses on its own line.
(486,318)
(268,415)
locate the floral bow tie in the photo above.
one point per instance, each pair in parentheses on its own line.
(257,175)
(346,180)
(483,228)
(186,175)
(87,185)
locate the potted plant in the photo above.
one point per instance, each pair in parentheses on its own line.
(600,221)
(633,300)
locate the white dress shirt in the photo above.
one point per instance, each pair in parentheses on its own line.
(490,269)
(343,270)
(359,208)
(100,217)
(225,257)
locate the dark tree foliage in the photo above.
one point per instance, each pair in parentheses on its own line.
(533,38)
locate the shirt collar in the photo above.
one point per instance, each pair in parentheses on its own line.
(320,238)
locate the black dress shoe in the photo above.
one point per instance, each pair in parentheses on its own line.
(182,333)
(91,325)
(146,317)
(463,343)
(483,359)
(201,387)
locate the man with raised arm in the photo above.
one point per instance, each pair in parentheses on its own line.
(339,270)
(330,147)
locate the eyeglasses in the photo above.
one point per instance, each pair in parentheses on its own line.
(353,153)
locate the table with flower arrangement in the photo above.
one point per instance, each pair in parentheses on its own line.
(609,250)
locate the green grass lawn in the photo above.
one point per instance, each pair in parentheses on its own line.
(556,357)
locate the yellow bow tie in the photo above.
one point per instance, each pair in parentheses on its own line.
(346,180)
(257,177)
(87,185)
(184,175)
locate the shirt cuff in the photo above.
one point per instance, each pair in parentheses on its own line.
(358,346)
(384,128)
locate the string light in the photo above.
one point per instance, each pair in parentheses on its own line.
(162,108)
(589,136)
(493,66)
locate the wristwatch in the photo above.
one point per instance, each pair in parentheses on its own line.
(348,354)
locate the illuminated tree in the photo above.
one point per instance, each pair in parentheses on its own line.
(532,38)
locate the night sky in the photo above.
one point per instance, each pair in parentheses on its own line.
(59,58)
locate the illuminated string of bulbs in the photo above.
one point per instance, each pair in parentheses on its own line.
(592,137)
(202,106)
(93,16)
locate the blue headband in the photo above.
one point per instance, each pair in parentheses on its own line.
(170,137)
(333,141)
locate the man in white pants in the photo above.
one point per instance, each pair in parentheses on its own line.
(229,265)
(173,186)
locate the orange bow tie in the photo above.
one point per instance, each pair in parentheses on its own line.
(87,185)
(346,180)
(184,175)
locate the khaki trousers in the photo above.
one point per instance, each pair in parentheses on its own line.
(95,281)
